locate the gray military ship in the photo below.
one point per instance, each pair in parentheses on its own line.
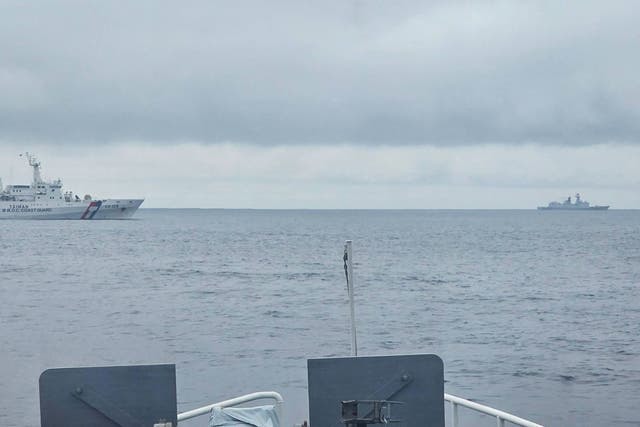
(578,205)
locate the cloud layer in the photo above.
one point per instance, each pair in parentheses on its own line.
(438,73)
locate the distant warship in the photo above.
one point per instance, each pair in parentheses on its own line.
(578,205)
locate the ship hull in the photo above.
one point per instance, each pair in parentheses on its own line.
(84,210)
(590,208)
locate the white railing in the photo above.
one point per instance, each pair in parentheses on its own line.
(231,402)
(501,416)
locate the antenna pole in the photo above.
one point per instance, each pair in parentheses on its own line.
(348,259)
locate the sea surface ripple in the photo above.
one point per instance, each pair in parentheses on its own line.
(535,313)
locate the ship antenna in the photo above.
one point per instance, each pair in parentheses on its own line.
(35,164)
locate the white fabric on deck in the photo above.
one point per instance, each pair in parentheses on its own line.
(257,416)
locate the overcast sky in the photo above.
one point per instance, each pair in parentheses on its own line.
(354,104)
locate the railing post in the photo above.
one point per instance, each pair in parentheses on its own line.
(500,422)
(454,414)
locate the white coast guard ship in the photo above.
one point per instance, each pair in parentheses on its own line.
(46,200)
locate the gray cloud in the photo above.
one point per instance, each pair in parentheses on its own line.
(299,72)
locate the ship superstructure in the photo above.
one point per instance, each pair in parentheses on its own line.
(568,205)
(46,200)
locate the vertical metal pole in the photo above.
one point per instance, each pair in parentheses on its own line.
(354,343)
(454,415)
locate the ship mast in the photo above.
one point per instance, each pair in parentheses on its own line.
(35,164)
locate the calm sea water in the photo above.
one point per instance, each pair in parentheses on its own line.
(537,313)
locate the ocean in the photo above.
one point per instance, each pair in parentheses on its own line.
(535,313)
